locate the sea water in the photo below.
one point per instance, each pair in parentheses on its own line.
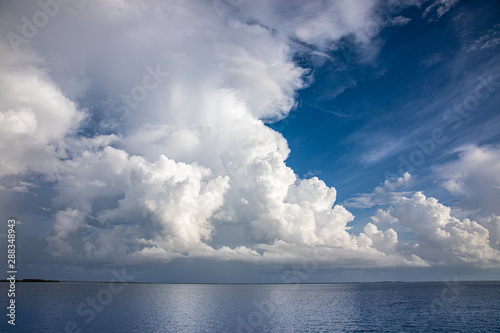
(340,307)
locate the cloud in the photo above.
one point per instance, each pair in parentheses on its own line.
(443,239)
(489,40)
(433,59)
(382,195)
(474,177)
(152,135)
(174,146)
(383,150)
(316,23)
(400,20)
(383,217)
(492,223)
(35,115)
(438,8)
(166,205)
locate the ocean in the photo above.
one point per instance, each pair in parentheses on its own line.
(341,307)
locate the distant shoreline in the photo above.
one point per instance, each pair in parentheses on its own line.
(31,280)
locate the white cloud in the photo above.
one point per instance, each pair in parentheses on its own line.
(443,239)
(383,217)
(382,148)
(23,187)
(35,116)
(383,194)
(400,20)
(316,23)
(160,177)
(384,241)
(475,177)
(437,9)
(431,60)
(489,40)
(492,223)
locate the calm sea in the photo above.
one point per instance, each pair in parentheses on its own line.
(345,307)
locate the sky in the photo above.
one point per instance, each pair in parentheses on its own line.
(232,141)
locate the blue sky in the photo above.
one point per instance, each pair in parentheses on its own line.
(263,141)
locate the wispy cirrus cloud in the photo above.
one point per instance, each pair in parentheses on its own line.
(432,60)
(438,8)
(489,40)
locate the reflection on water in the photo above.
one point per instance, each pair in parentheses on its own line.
(382,307)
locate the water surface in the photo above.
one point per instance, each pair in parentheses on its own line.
(342,307)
